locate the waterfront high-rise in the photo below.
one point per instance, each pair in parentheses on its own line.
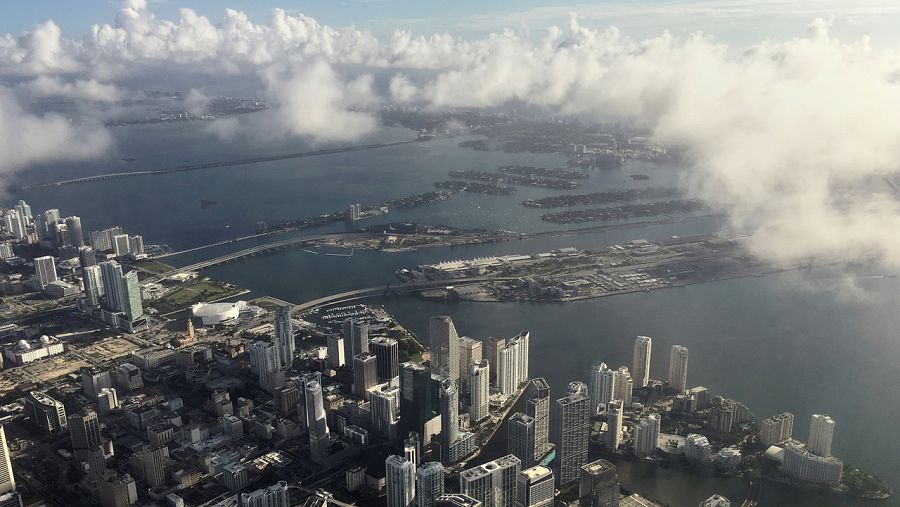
(275,495)
(646,435)
(284,337)
(535,487)
(624,386)
(74,234)
(356,337)
(7,479)
(469,353)
(336,357)
(801,463)
(821,432)
(93,285)
(492,346)
(678,368)
(520,438)
(387,353)
(449,414)
(614,416)
(384,407)
(537,405)
(599,485)
(573,430)
(697,448)
(319,437)
(493,483)
(444,343)
(365,374)
(777,428)
(640,366)
(45,271)
(429,483)
(400,481)
(46,412)
(602,386)
(512,363)
(479,391)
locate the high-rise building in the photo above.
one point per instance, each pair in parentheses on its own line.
(93,380)
(456,500)
(400,481)
(24,210)
(153,461)
(235,476)
(42,224)
(716,501)
(777,428)
(319,437)
(86,257)
(493,483)
(107,400)
(697,448)
(640,366)
(573,431)
(121,245)
(131,296)
(469,353)
(7,479)
(93,285)
(74,234)
(821,432)
(535,487)
(479,391)
(45,412)
(356,338)
(429,483)
(128,377)
(136,245)
(263,363)
(336,357)
(449,414)
(116,491)
(113,285)
(84,428)
(801,463)
(599,485)
(520,438)
(602,386)
(537,405)
(512,362)
(365,374)
(15,224)
(6,251)
(417,398)
(444,344)
(492,346)
(624,386)
(614,416)
(678,368)
(384,408)
(275,495)
(412,448)
(646,435)
(45,271)
(387,354)
(284,337)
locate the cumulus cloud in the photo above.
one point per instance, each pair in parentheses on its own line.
(27,139)
(80,89)
(196,102)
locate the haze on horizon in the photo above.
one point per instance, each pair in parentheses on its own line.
(791,131)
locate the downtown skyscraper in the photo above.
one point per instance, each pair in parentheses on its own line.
(284,337)
(640,366)
(444,342)
(573,414)
(678,368)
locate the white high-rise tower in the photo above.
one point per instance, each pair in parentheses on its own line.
(821,432)
(678,368)
(640,366)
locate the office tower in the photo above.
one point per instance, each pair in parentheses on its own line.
(479,391)
(113,285)
(573,430)
(153,461)
(116,491)
(417,395)
(136,245)
(400,481)
(520,438)
(599,485)
(469,353)
(128,377)
(821,431)
(84,428)
(456,500)
(614,416)
(286,399)
(449,414)
(537,405)
(275,495)
(646,435)
(93,285)
(624,385)
(697,448)
(412,448)
(678,368)
(429,483)
(444,344)
(384,407)
(336,357)
(493,483)
(234,476)
(776,429)
(365,374)
(86,257)
(356,338)
(263,363)
(319,437)
(107,400)
(284,337)
(74,234)
(93,380)
(602,386)
(131,296)
(387,354)
(716,501)
(45,271)
(640,366)
(121,245)
(492,346)
(45,412)
(7,479)
(535,487)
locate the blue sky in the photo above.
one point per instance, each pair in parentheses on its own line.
(735,21)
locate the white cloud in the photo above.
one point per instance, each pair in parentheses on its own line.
(80,89)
